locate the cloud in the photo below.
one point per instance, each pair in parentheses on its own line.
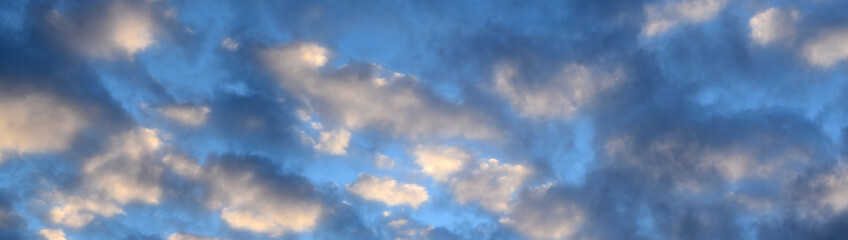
(230,44)
(189,236)
(76,212)
(357,95)
(662,17)
(127,171)
(333,142)
(52,234)
(440,162)
(383,162)
(192,116)
(773,24)
(252,197)
(388,191)
(491,183)
(827,48)
(539,214)
(37,123)
(560,97)
(12,224)
(108,29)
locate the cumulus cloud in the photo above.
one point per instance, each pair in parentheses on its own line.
(52,234)
(388,191)
(229,44)
(192,116)
(491,183)
(827,48)
(37,123)
(383,162)
(773,24)
(823,195)
(574,87)
(126,172)
(356,96)
(403,228)
(251,197)
(189,236)
(440,162)
(662,17)
(542,215)
(118,29)
(333,142)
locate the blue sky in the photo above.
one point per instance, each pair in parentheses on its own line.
(657,119)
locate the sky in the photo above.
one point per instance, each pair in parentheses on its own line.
(500,119)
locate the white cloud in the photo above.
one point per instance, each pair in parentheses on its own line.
(388,191)
(661,18)
(403,228)
(349,96)
(827,48)
(252,202)
(52,234)
(122,28)
(183,166)
(384,162)
(773,24)
(440,162)
(132,30)
(333,142)
(37,123)
(540,215)
(229,44)
(574,87)
(77,212)
(834,195)
(492,184)
(397,223)
(189,236)
(192,116)
(126,172)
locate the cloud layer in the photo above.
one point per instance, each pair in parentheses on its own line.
(678,119)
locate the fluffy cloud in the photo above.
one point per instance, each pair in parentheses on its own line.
(491,183)
(76,212)
(773,24)
(827,48)
(824,194)
(357,96)
(52,234)
(229,44)
(252,197)
(126,172)
(440,162)
(662,17)
(388,191)
(402,228)
(37,123)
(574,87)
(333,142)
(383,162)
(119,29)
(187,115)
(542,215)
(189,236)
